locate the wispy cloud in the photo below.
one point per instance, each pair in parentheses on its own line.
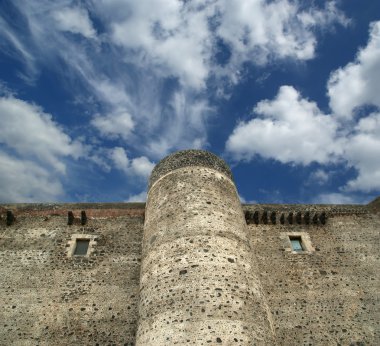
(15,47)
(74,20)
(161,54)
(145,71)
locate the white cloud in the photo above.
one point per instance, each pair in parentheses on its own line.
(294,130)
(31,132)
(114,125)
(168,35)
(119,158)
(75,20)
(319,176)
(291,130)
(26,181)
(140,197)
(19,50)
(323,17)
(351,87)
(180,125)
(334,198)
(178,39)
(357,83)
(111,92)
(260,30)
(140,44)
(140,166)
(244,201)
(363,152)
(128,102)
(33,154)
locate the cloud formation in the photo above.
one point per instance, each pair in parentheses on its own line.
(33,152)
(356,84)
(180,38)
(31,132)
(292,129)
(140,166)
(114,125)
(140,197)
(163,53)
(362,151)
(334,198)
(146,73)
(74,20)
(260,31)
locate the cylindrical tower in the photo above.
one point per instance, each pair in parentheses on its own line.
(198,284)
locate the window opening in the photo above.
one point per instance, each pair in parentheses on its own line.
(81,247)
(296,243)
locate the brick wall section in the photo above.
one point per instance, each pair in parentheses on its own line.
(329,296)
(49,298)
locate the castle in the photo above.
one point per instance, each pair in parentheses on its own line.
(192,266)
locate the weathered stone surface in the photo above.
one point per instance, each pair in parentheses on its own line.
(48,298)
(198,284)
(206,277)
(375,205)
(330,296)
(10,218)
(185,158)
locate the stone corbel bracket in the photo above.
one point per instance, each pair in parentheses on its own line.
(71,218)
(285,218)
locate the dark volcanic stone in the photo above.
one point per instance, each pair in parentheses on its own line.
(186,158)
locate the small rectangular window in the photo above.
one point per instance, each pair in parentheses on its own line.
(296,243)
(81,247)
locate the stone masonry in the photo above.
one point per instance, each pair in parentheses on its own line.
(191,267)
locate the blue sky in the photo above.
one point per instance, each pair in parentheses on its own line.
(94,93)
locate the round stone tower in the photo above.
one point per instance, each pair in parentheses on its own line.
(198,283)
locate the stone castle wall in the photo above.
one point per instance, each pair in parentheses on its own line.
(50,298)
(331,294)
(203,270)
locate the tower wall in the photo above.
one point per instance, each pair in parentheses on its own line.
(198,283)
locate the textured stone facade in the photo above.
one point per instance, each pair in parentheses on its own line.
(193,266)
(51,298)
(329,296)
(198,282)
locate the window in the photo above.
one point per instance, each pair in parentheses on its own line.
(81,247)
(296,243)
